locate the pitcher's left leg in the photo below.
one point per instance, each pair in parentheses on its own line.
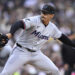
(44,63)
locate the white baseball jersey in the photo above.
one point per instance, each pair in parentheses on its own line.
(36,33)
(12,41)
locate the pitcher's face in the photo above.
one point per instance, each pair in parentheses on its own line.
(46,17)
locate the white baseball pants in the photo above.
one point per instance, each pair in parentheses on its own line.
(21,56)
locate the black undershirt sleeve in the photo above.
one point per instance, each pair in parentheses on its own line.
(66,40)
(17,25)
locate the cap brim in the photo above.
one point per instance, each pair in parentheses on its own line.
(45,11)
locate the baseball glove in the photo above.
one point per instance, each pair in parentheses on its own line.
(3,40)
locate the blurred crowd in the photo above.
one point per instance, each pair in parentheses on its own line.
(12,10)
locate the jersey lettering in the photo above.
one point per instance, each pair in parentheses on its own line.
(38,34)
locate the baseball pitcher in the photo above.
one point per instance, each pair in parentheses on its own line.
(36,31)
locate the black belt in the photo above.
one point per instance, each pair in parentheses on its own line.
(26,48)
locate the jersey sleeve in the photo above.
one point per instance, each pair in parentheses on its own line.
(56,32)
(29,22)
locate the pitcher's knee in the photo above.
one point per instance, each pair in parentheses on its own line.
(55,71)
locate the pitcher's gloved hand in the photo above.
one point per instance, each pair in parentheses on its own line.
(3,40)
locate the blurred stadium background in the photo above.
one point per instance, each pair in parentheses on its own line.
(62,55)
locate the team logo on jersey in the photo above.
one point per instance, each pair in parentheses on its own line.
(38,34)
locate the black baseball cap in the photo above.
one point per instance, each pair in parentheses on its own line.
(48,9)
